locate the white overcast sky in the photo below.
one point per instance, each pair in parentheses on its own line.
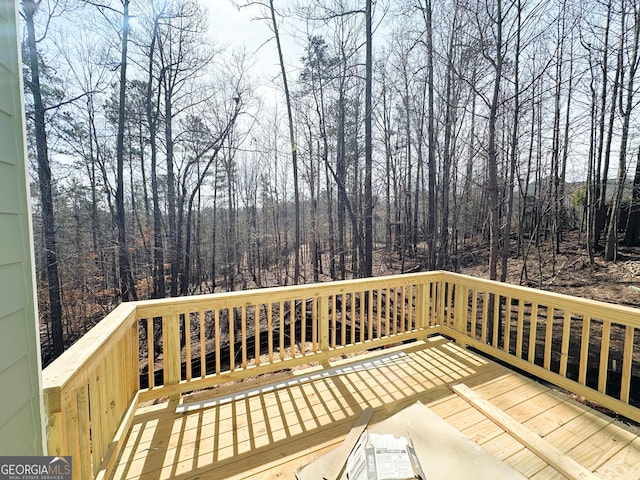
(236,29)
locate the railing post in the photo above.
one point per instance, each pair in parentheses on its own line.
(323,322)
(421,305)
(171,350)
(459,317)
(56,433)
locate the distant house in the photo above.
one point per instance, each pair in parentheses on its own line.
(21,422)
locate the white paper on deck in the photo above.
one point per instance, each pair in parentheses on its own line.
(392,458)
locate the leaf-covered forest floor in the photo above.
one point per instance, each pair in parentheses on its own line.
(569,271)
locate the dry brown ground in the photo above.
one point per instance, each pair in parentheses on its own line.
(613,282)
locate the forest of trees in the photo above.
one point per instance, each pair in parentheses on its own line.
(406,134)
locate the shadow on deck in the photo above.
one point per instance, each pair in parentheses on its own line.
(271,432)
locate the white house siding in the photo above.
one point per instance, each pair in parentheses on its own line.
(21,423)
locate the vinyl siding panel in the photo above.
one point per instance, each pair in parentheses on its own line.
(12,290)
(21,440)
(9,193)
(14,339)
(10,250)
(21,421)
(21,389)
(7,133)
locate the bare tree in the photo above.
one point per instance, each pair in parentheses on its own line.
(611,246)
(29,10)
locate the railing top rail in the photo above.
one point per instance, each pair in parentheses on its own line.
(148,308)
(78,360)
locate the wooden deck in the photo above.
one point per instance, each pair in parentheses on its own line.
(271,433)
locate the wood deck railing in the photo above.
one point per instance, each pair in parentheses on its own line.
(163,348)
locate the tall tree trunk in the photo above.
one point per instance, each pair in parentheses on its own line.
(632,232)
(601,174)
(174,254)
(294,147)
(611,246)
(366,265)
(506,250)
(565,155)
(492,186)
(468,228)
(431,152)
(44,183)
(151,111)
(592,187)
(340,180)
(451,100)
(127,286)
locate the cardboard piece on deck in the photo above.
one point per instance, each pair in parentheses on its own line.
(341,454)
(445,453)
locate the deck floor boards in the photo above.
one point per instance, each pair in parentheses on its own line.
(271,434)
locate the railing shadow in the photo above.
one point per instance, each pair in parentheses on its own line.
(261,431)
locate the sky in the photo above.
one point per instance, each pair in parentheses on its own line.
(238,28)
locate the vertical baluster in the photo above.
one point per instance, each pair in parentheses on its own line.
(461,307)
(394,310)
(564,349)
(292,325)
(507,324)
(110,392)
(496,319)
(73,428)
(100,420)
(281,329)
(533,331)
(433,302)
(584,350)
(232,338)
(485,315)
(379,332)
(334,321)
(303,326)
(604,356)
(256,322)
(323,322)
(370,313)
(243,335)
(216,333)
(353,317)
(84,433)
(442,298)
(203,344)
(314,324)
(362,320)
(97,429)
(135,358)
(187,344)
(343,319)
(403,308)
(627,359)
(449,310)
(387,311)
(548,337)
(474,312)
(520,328)
(269,307)
(151,355)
